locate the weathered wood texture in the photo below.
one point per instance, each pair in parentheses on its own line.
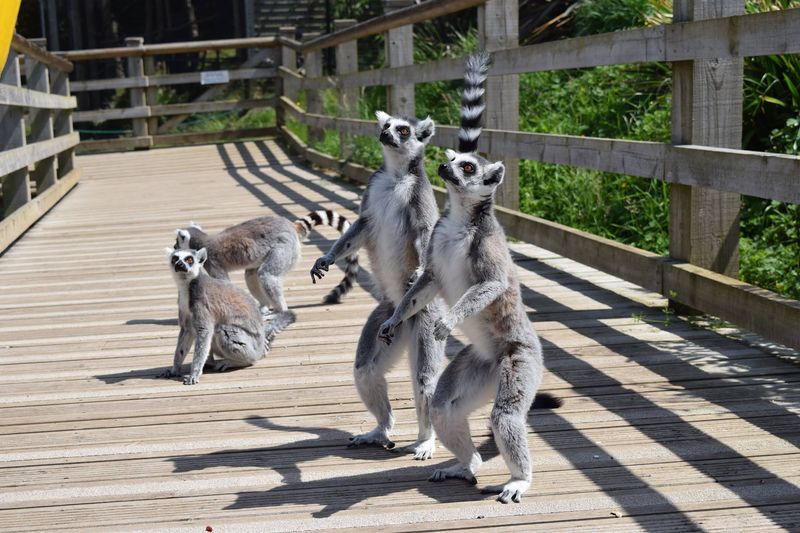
(160,80)
(29,49)
(400,52)
(169,48)
(286,86)
(15,182)
(665,427)
(137,95)
(40,121)
(498,29)
(346,62)
(312,61)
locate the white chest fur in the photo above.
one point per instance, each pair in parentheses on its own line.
(183,299)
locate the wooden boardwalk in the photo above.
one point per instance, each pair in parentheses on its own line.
(666,426)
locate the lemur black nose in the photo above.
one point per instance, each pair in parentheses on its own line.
(442,170)
(180,266)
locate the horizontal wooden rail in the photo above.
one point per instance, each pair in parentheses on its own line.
(776,32)
(19,158)
(173,139)
(21,97)
(162,80)
(169,48)
(745,305)
(394,19)
(100,115)
(24,46)
(771,176)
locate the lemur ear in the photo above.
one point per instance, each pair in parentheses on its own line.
(168,251)
(182,239)
(195,225)
(494,173)
(451,154)
(425,130)
(201,255)
(383,118)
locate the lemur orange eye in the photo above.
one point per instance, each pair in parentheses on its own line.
(404,131)
(189,260)
(469,168)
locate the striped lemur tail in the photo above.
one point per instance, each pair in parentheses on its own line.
(334,220)
(472,105)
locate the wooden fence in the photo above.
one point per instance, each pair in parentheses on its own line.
(37,143)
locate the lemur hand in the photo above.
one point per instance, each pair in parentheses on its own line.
(386,331)
(442,328)
(415,276)
(191,379)
(322,264)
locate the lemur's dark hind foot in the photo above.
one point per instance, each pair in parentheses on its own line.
(545,400)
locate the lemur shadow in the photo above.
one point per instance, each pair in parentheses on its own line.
(672,361)
(152,322)
(157,374)
(335,493)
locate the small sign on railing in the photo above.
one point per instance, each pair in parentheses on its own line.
(214,77)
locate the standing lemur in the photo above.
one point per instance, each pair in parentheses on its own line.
(266,248)
(221,318)
(398,212)
(468,262)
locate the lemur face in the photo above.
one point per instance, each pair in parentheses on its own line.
(471,175)
(186,264)
(404,135)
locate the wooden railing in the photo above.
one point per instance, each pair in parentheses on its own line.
(142,82)
(704,165)
(36,169)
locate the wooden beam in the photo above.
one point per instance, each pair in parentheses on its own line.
(14,159)
(399,52)
(101,115)
(498,29)
(24,46)
(288,60)
(62,122)
(137,98)
(383,23)
(40,121)
(18,222)
(151,92)
(22,97)
(347,62)
(161,80)
(169,48)
(312,61)
(15,182)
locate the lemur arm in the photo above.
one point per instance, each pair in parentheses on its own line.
(185,339)
(347,244)
(471,303)
(420,294)
(202,347)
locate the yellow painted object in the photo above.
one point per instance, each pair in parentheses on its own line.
(9,9)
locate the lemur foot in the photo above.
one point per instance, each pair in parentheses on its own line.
(387,330)
(455,471)
(321,266)
(513,490)
(221,366)
(376,437)
(167,374)
(422,449)
(191,380)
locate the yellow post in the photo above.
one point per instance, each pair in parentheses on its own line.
(9,9)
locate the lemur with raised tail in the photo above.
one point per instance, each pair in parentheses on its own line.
(220,318)
(266,248)
(398,212)
(469,264)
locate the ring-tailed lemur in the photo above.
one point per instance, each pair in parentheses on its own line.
(398,212)
(468,262)
(221,319)
(266,248)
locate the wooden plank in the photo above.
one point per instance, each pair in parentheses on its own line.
(179,139)
(19,158)
(114,145)
(168,48)
(62,122)
(101,115)
(18,222)
(387,21)
(347,62)
(162,80)
(151,93)
(24,46)
(15,183)
(498,29)
(312,61)
(137,97)
(399,52)
(40,121)
(22,97)
(288,61)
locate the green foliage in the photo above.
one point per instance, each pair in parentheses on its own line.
(602,16)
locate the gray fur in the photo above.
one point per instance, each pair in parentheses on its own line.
(218,317)
(398,212)
(266,248)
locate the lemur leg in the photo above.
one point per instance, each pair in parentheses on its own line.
(254,286)
(185,339)
(236,347)
(373,360)
(426,356)
(519,378)
(202,347)
(278,262)
(465,385)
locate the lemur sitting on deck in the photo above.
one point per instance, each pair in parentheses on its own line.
(468,262)
(221,319)
(398,212)
(266,248)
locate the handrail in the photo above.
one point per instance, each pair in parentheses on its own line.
(388,21)
(170,48)
(24,46)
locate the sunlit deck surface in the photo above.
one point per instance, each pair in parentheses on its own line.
(666,426)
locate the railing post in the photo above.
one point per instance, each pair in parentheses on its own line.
(399,53)
(285,87)
(151,93)
(62,121)
(346,63)
(136,70)
(706,110)
(313,65)
(37,78)
(16,187)
(498,29)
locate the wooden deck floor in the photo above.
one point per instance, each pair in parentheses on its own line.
(665,426)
